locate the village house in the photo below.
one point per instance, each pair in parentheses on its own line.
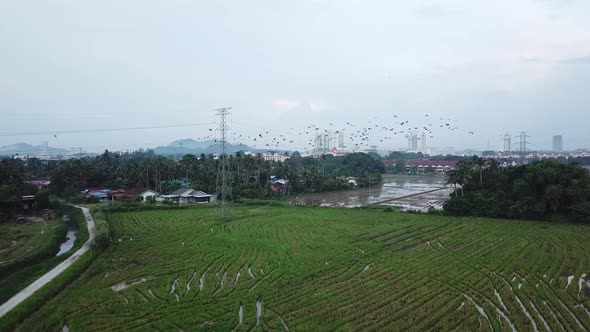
(425,165)
(148,195)
(187,195)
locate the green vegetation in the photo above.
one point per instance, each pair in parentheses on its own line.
(30,253)
(33,255)
(11,320)
(251,176)
(327,269)
(535,191)
(103,236)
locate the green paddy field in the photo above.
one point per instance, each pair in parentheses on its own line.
(315,269)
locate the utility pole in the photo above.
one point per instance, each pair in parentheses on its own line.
(223,171)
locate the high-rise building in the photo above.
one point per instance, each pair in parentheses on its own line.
(423,141)
(318,142)
(340,144)
(333,140)
(557,143)
(413,142)
(328,141)
(507,142)
(322,142)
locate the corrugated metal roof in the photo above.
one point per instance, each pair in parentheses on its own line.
(180,191)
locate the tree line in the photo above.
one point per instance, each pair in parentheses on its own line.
(251,175)
(539,190)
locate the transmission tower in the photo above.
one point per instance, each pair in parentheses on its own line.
(223,171)
(523,142)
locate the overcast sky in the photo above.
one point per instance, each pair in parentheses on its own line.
(493,66)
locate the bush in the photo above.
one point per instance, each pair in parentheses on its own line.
(475,204)
(580,212)
(103,232)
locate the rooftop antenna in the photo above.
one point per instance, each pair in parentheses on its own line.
(223,171)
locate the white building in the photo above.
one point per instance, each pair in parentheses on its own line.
(148,194)
(186,195)
(274,157)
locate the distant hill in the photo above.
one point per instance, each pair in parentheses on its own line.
(190,146)
(25,149)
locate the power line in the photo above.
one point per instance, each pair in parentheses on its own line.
(102,130)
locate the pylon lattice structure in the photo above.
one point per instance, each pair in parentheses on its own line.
(223,172)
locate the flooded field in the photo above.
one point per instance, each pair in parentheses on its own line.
(403,191)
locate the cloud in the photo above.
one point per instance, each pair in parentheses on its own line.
(318,106)
(584,60)
(284,104)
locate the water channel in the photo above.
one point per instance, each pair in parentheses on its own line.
(70,237)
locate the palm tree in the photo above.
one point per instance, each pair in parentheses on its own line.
(460,175)
(479,164)
(453,178)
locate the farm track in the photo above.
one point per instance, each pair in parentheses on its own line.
(326,269)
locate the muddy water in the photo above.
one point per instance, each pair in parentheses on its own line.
(393,187)
(70,238)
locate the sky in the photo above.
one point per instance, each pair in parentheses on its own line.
(493,67)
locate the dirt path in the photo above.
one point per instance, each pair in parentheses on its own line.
(46,278)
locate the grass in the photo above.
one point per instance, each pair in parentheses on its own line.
(30,305)
(35,252)
(27,242)
(327,269)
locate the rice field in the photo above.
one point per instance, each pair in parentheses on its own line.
(20,241)
(302,268)
(27,250)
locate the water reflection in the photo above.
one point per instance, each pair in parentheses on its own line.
(70,237)
(393,187)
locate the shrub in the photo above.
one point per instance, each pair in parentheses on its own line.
(103,233)
(580,212)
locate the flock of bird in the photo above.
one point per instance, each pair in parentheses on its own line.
(376,133)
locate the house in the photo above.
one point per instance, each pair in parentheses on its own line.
(148,195)
(40,184)
(125,194)
(28,202)
(423,165)
(187,195)
(279,185)
(102,194)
